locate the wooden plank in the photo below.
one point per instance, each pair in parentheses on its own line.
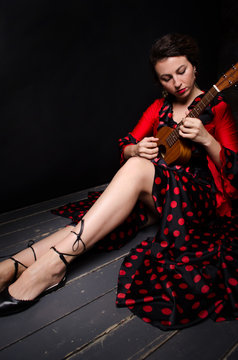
(132,339)
(31,232)
(68,333)
(207,340)
(77,293)
(47,205)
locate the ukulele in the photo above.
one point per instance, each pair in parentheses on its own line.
(172,148)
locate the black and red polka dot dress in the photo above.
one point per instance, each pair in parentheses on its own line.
(189,270)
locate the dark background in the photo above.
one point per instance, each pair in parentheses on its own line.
(75,76)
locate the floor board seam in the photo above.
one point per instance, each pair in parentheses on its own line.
(58,319)
(99,337)
(230,351)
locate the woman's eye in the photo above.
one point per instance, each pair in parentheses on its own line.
(181,72)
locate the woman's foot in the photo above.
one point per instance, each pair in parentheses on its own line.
(48,271)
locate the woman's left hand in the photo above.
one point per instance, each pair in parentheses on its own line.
(193,129)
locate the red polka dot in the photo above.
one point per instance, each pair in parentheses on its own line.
(232,282)
(178,276)
(190,213)
(205,289)
(169,284)
(147,308)
(121,295)
(173,204)
(164,244)
(197,278)
(158,286)
(180,310)
(138,282)
(183,286)
(181,221)
(185,259)
(203,314)
(143,291)
(229,258)
(184,205)
(158,180)
(148,298)
(169,217)
(184,179)
(147,320)
(176,191)
(134,257)
(165,297)
(160,269)
(166,231)
(184,321)
(130,302)
(166,323)
(196,305)
(199,254)
(153,277)
(128,264)
(189,268)
(139,250)
(189,296)
(122,272)
(176,233)
(166,311)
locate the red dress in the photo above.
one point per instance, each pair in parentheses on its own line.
(189,270)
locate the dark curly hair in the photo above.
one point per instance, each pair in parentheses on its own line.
(174,44)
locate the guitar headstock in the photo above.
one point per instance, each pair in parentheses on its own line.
(228,79)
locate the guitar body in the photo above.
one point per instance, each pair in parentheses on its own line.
(179,153)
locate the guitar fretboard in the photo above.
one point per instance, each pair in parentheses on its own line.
(194,113)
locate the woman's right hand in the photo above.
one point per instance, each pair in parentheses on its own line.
(147,148)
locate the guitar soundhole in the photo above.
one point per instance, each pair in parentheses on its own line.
(162,150)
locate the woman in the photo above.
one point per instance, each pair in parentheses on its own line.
(187,272)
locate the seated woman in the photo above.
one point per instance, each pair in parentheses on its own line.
(188,271)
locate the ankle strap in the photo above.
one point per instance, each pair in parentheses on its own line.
(61,255)
(76,243)
(30,243)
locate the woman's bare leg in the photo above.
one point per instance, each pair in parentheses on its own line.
(26,256)
(133,180)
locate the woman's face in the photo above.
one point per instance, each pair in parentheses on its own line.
(177,76)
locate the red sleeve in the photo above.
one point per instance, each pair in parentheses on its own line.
(224,129)
(146,124)
(225,126)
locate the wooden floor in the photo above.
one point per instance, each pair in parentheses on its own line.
(81,321)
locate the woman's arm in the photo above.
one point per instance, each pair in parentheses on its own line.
(146,145)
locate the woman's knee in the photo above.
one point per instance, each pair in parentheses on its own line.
(141,168)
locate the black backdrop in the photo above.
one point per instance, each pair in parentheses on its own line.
(75,76)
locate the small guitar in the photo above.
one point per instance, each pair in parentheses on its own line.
(177,151)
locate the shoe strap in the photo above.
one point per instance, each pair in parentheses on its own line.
(29,245)
(62,255)
(16,263)
(76,243)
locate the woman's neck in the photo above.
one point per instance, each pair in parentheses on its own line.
(187,101)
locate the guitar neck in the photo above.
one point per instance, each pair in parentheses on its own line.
(202,104)
(195,112)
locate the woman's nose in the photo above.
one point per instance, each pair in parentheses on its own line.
(177,82)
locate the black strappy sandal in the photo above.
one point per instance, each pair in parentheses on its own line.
(17,262)
(9,305)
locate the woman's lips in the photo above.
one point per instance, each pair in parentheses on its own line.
(181,91)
